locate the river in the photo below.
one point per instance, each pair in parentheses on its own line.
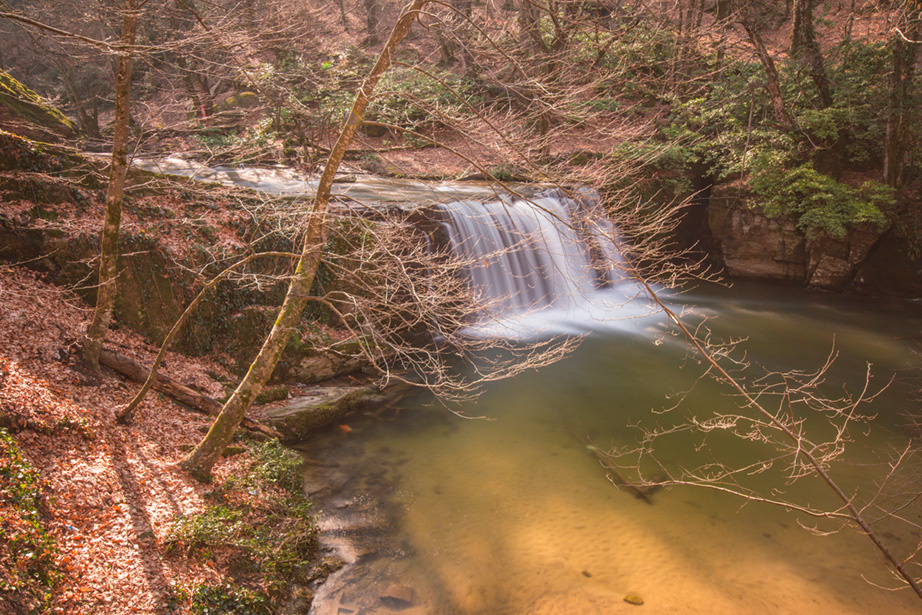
(512,514)
(437,513)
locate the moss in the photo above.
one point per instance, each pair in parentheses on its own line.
(307,414)
(272,394)
(21,153)
(25,104)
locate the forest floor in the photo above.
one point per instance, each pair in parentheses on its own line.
(91,513)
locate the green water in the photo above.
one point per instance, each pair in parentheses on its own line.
(514,515)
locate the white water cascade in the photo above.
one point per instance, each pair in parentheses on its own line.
(547,264)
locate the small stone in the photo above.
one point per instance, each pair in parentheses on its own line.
(633,599)
(398,595)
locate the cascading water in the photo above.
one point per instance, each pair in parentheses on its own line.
(543,264)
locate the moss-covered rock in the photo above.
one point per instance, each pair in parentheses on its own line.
(320,408)
(303,364)
(23,112)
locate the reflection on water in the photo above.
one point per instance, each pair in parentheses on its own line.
(513,515)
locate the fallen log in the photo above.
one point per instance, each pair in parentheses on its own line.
(134,371)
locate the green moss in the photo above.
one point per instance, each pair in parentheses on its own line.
(272,394)
(27,105)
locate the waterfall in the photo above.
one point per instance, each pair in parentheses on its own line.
(547,263)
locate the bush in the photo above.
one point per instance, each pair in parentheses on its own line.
(227,600)
(27,569)
(263,523)
(820,203)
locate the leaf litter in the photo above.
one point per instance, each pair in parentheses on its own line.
(111,492)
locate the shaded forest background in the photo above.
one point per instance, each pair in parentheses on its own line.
(804,111)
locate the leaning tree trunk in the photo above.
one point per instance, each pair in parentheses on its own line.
(902,113)
(118,168)
(773,84)
(201,460)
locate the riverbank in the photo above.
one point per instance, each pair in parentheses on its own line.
(108,523)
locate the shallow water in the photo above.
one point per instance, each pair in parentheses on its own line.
(514,514)
(286,181)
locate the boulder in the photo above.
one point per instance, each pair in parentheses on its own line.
(25,113)
(754,246)
(305,365)
(398,595)
(321,407)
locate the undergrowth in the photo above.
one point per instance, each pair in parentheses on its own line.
(27,571)
(260,526)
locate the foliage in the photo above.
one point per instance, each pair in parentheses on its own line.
(27,571)
(228,600)
(264,521)
(820,203)
(273,463)
(215,526)
(405,97)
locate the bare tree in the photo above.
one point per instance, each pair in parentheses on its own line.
(806,50)
(902,114)
(118,169)
(200,460)
(775,412)
(749,16)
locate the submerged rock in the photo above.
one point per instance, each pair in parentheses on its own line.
(398,595)
(633,599)
(321,407)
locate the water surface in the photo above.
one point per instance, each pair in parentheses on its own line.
(514,515)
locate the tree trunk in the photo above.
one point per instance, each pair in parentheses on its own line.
(722,22)
(180,392)
(201,460)
(372,19)
(773,84)
(118,168)
(88,123)
(806,50)
(902,114)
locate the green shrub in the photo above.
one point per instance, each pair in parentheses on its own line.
(820,203)
(216,526)
(228,600)
(263,522)
(273,463)
(27,569)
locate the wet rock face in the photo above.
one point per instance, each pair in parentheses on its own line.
(753,246)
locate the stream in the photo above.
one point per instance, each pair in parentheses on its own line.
(433,512)
(512,514)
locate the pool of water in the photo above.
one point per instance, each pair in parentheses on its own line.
(513,514)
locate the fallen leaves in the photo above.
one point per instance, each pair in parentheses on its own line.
(112,493)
